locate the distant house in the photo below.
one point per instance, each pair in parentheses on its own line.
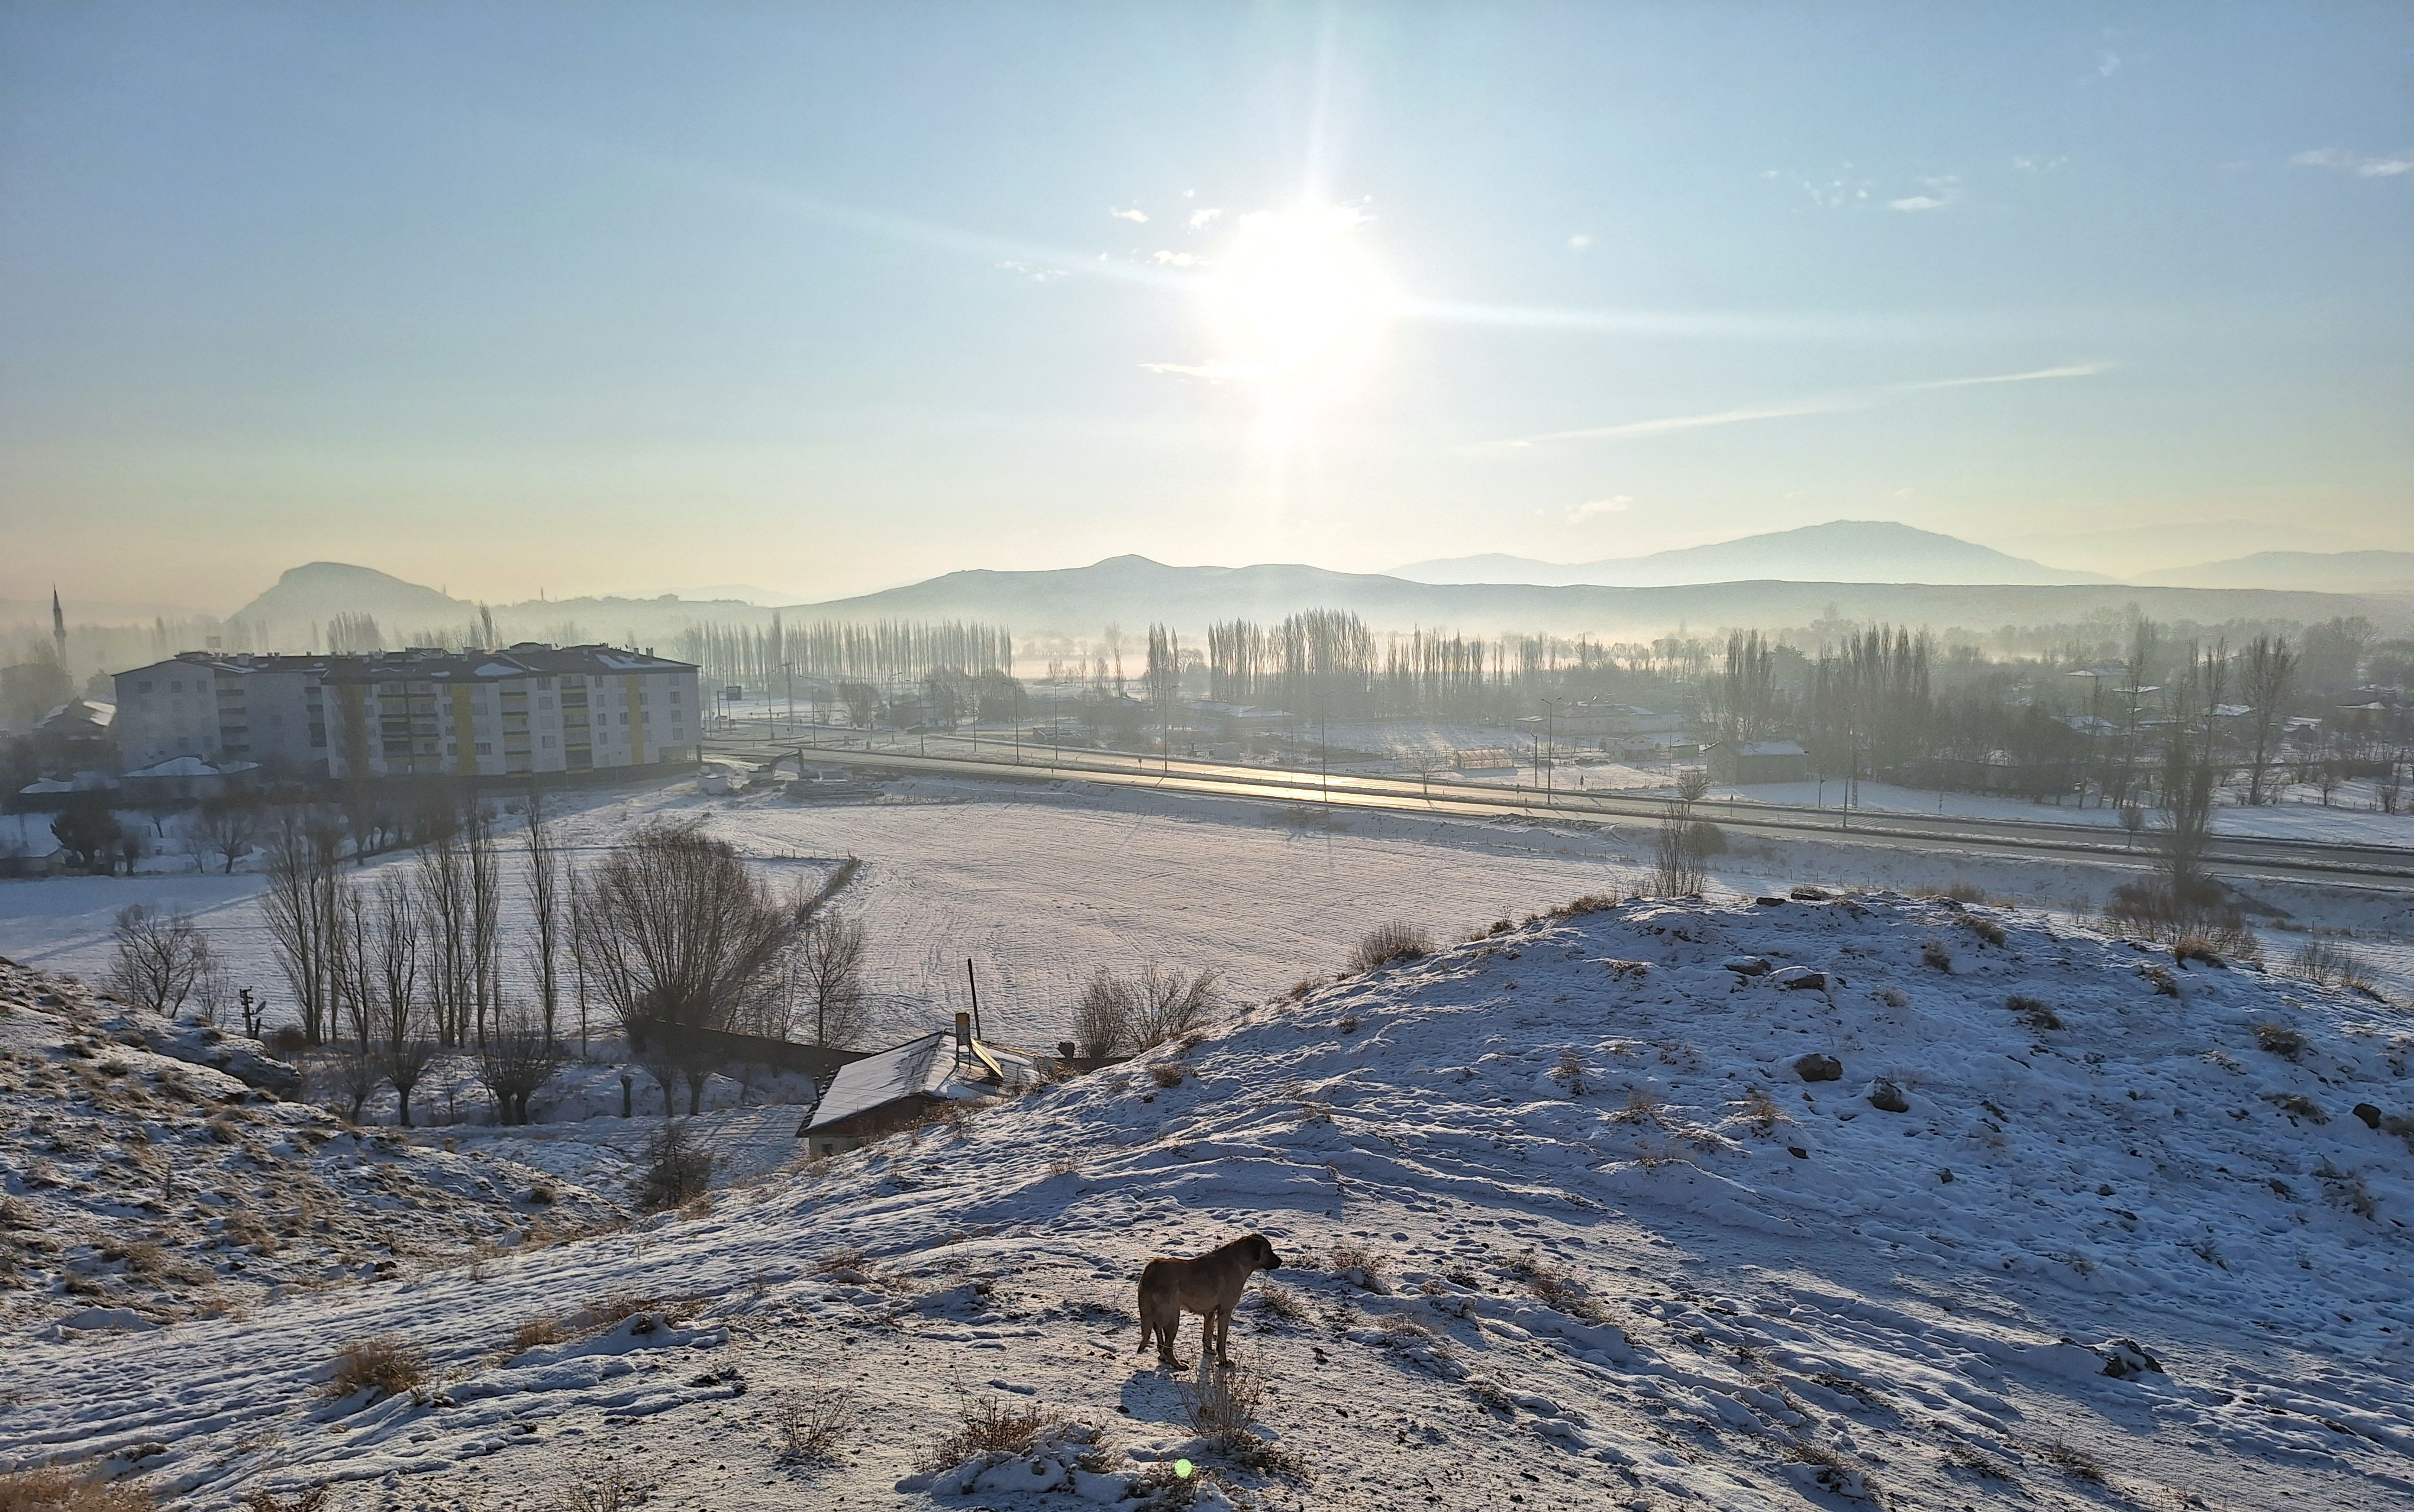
(1488,759)
(183,780)
(904,1085)
(1596,718)
(1741,763)
(81,732)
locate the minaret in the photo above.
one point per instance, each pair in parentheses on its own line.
(58,627)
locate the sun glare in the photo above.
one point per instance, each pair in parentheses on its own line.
(1298,283)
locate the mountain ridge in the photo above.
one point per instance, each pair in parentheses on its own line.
(1836,551)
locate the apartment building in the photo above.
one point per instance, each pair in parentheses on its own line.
(530,709)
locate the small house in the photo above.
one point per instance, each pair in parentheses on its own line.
(1741,763)
(905,1083)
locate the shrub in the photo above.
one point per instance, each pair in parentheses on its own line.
(1359,1265)
(544,1328)
(289,1040)
(1221,1405)
(1761,1111)
(1988,929)
(609,1495)
(2280,1040)
(1933,955)
(2032,1012)
(262,1500)
(832,1261)
(2070,1459)
(1962,892)
(2331,965)
(1280,1302)
(1389,943)
(2197,948)
(677,1171)
(1167,1073)
(809,1430)
(64,1489)
(384,1364)
(1556,1289)
(988,1424)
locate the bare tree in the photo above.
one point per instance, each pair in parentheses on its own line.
(301,909)
(404,1058)
(228,827)
(826,974)
(162,959)
(1103,1014)
(1172,1002)
(545,914)
(486,912)
(2271,666)
(357,1071)
(515,1060)
(1679,868)
(676,934)
(1746,690)
(444,905)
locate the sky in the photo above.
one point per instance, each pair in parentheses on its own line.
(511,297)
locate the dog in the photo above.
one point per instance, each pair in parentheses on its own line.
(1210,1286)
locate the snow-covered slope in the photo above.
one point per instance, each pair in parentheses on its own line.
(149,1173)
(1562,1226)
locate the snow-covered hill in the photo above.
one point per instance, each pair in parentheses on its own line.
(1563,1225)
(149,1174)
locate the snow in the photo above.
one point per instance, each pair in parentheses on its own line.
(1043,883)
(918,1067)
(1560,1222)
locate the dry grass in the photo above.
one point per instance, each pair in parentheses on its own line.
(610,1312)
(385,1364)
(1367,1265)
(1933,955)
(2280,1040)
(1221,1406)
(312,1500)
(1555,1288)
(1978,1463)
(64,1489)
(1987,929)
(1167,1073)
(1569,1073)
(2034,1012)
(2070,1459)
(985,1424)
(1643,1105)
(609,1495)
(544,1328)
(1760,1110)
(1280,1302)
(1387,943)
(809,1430)
(2197,948)
(832,1261)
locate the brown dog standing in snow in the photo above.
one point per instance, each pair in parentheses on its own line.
(1210,1286)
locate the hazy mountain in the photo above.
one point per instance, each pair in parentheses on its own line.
(1839,551)
(1134,591)
(319,591)
(2337,572)
(2126,551)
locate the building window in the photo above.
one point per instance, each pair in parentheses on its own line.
(485,748)
(546,741)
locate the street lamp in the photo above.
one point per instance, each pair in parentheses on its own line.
(1550,737)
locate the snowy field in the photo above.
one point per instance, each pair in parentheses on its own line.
(1042,884)
(1563,1225)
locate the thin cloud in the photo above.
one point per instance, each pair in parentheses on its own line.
(1918,202)
(1037,276)
(1614,504)
(2347,162)
(1176,259)
(2107,64)
(1212,372)
(1136,216)
(1579,241)
(1829,404)
(1200,217)
(1636,429)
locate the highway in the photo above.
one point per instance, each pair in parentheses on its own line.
(986,756)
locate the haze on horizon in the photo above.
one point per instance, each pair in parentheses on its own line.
(518,298)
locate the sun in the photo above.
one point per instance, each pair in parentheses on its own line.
(1298,284)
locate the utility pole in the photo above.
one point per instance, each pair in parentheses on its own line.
(974,985)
